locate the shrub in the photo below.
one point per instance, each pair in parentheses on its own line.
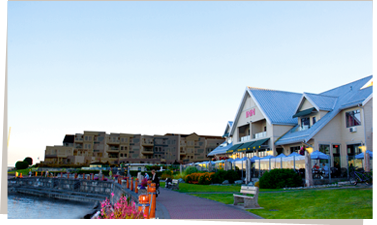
(167,174)
(21,165)
(29,160)
(231,176)
(280,178)
(123,209)
(177,176)
(206,178)
(190,170)
(219,177)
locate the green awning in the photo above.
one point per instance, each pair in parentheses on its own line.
(303,112)
(245,146)
(241,147)
(258,144)
(233,148)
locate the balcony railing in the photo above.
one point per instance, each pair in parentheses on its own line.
(245,138)
(147,142)
(260,135)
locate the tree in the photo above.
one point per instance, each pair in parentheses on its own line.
(21,165)
(29,160)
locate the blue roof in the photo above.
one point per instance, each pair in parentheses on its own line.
(277,106)
(358,97)
(346,94)
(323,102)
(228,128)
(220,149)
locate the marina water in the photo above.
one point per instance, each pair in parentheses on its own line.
(21,206)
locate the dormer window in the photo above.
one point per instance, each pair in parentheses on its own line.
(305,123)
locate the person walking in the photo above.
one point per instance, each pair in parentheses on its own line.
(156,181)
(111,174)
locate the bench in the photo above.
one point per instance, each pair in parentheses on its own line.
(250,202)
(175,184)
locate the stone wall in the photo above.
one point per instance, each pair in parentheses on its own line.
(71,189)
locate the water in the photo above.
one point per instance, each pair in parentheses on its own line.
(22,206)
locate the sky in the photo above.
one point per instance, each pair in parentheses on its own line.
(168,67)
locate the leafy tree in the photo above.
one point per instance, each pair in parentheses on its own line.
(29,160)
(21,165)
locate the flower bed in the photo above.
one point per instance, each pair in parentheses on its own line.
(123,209)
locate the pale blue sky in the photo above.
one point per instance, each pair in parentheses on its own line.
(177,67)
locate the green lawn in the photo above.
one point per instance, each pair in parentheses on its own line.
(187,188)
(25,172)
(310,204)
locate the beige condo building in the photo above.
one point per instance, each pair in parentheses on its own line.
(115,148)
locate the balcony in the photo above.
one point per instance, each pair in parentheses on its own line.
(147,142)
(112,149)
(147,151)
(260,135)
(245,138)
(182,152)
(78,139)
(111,141)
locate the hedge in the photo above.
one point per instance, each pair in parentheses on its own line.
(212,177)
(280,178)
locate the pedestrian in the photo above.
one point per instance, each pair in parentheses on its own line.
(146,176)
(29,173)
(110,174)
(156,181)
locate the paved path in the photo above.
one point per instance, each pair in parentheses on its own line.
(175,205)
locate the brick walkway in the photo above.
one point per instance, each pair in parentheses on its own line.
(184,206)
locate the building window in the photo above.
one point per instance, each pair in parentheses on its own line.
(305,123)
(314,120)
(324,149)
(295,149)
(353,118)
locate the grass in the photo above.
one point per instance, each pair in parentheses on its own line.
(310,204)
(192,188)
(25,172)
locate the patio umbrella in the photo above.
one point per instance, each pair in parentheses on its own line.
(318,155)
(244,158)
(268,157)
(294,154)
(254,158)
(281,156)
(361,155)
